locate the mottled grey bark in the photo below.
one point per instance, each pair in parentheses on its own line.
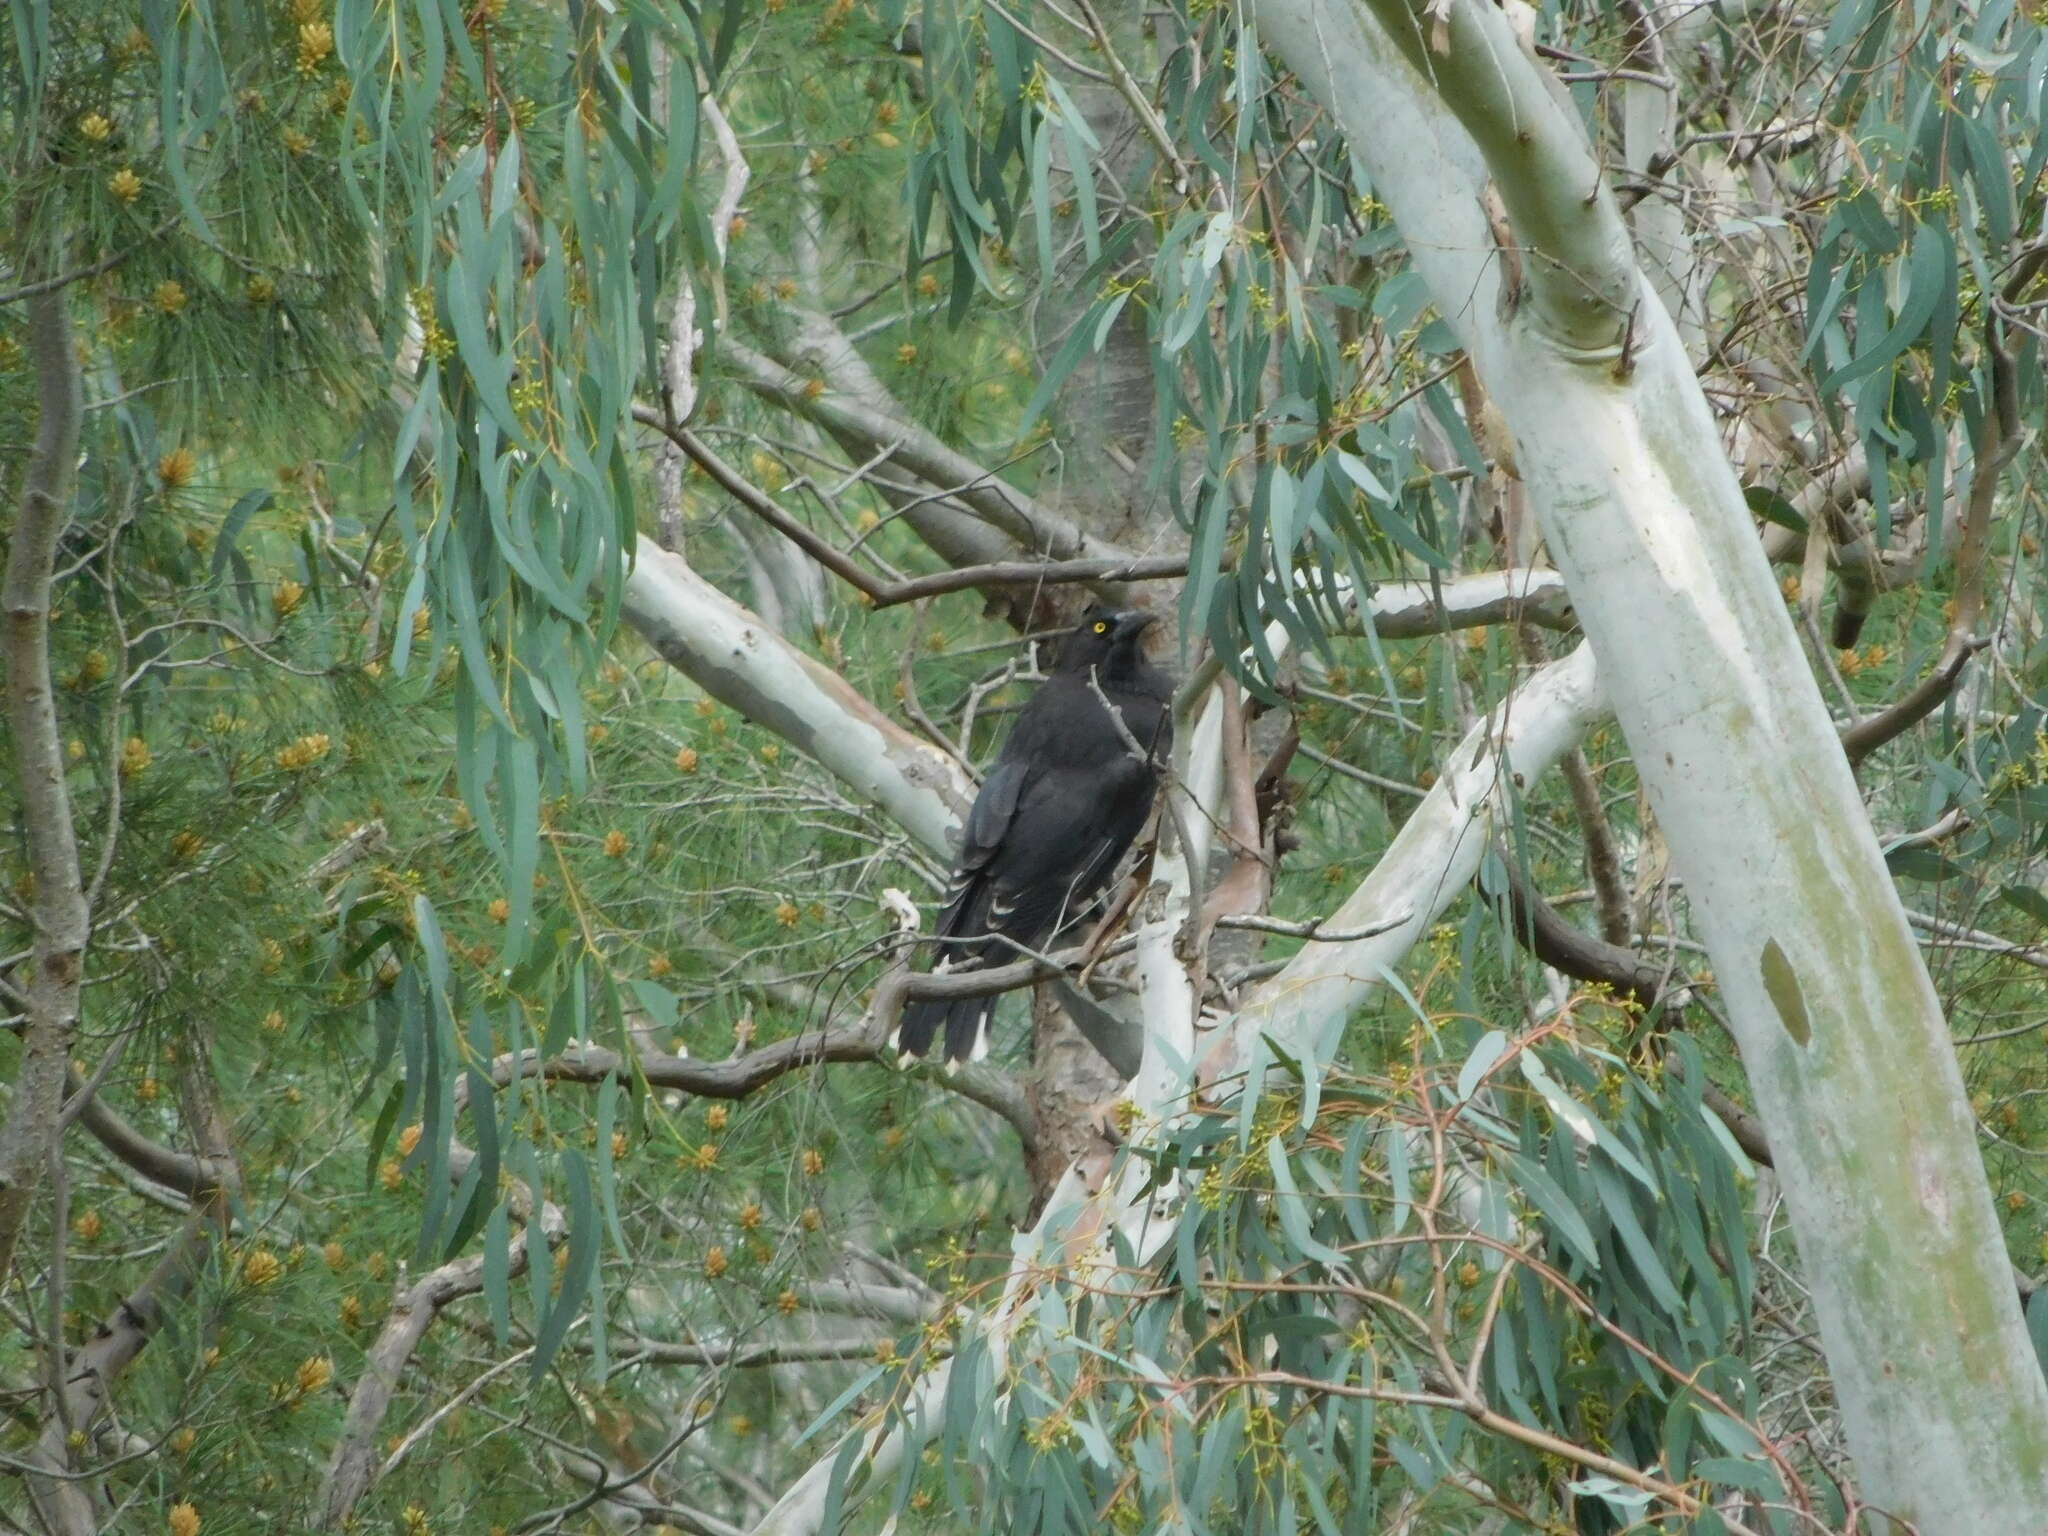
(57,905)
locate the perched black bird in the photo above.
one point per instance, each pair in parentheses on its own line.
(1055,815)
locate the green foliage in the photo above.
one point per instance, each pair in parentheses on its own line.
(450,205)
(358,491)
(1523,1228)
(1309,483)
(192,149)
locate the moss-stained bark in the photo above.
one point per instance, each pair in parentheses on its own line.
(1841,1032)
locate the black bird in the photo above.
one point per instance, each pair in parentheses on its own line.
(1055,816)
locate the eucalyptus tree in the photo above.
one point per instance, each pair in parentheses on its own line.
(685,414)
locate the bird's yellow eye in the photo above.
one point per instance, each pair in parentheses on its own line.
(1101,628)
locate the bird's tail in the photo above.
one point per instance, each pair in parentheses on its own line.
(964,1021)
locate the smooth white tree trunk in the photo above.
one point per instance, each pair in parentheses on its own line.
(1842,1035)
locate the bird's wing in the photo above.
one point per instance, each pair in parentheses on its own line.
(1058,809)
(1101,863)
(994,809)
(1064,842)
(981,844)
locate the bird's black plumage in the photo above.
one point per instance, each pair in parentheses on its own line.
(1059,809)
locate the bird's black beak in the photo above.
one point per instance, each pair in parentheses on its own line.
(1134,623)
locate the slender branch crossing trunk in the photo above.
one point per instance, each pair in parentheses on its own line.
(353,1465)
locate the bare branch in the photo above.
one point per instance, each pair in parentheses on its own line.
(1408,610)
(890,1303)
(860,407)
(1649,124)
(1399,610)
(1827,504)
(1313,929)
(1562,946)
(1603,861)
(1135,98)
(365,840)
(420,1431)
(61,280)
(733,1078)
(739,1076)
(1928,695)
(679,357)
(66,1502)
(1067,61)
(350,1469)
(187,1173)
(738,1356)
(889,594)
(739,660)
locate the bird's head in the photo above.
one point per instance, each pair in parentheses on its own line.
(1107,640)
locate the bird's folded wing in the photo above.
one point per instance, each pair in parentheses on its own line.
(994,809)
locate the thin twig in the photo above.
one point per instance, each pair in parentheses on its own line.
(889,594)
(1312,929)
(80,274)
(1050,47)
(1139,103)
